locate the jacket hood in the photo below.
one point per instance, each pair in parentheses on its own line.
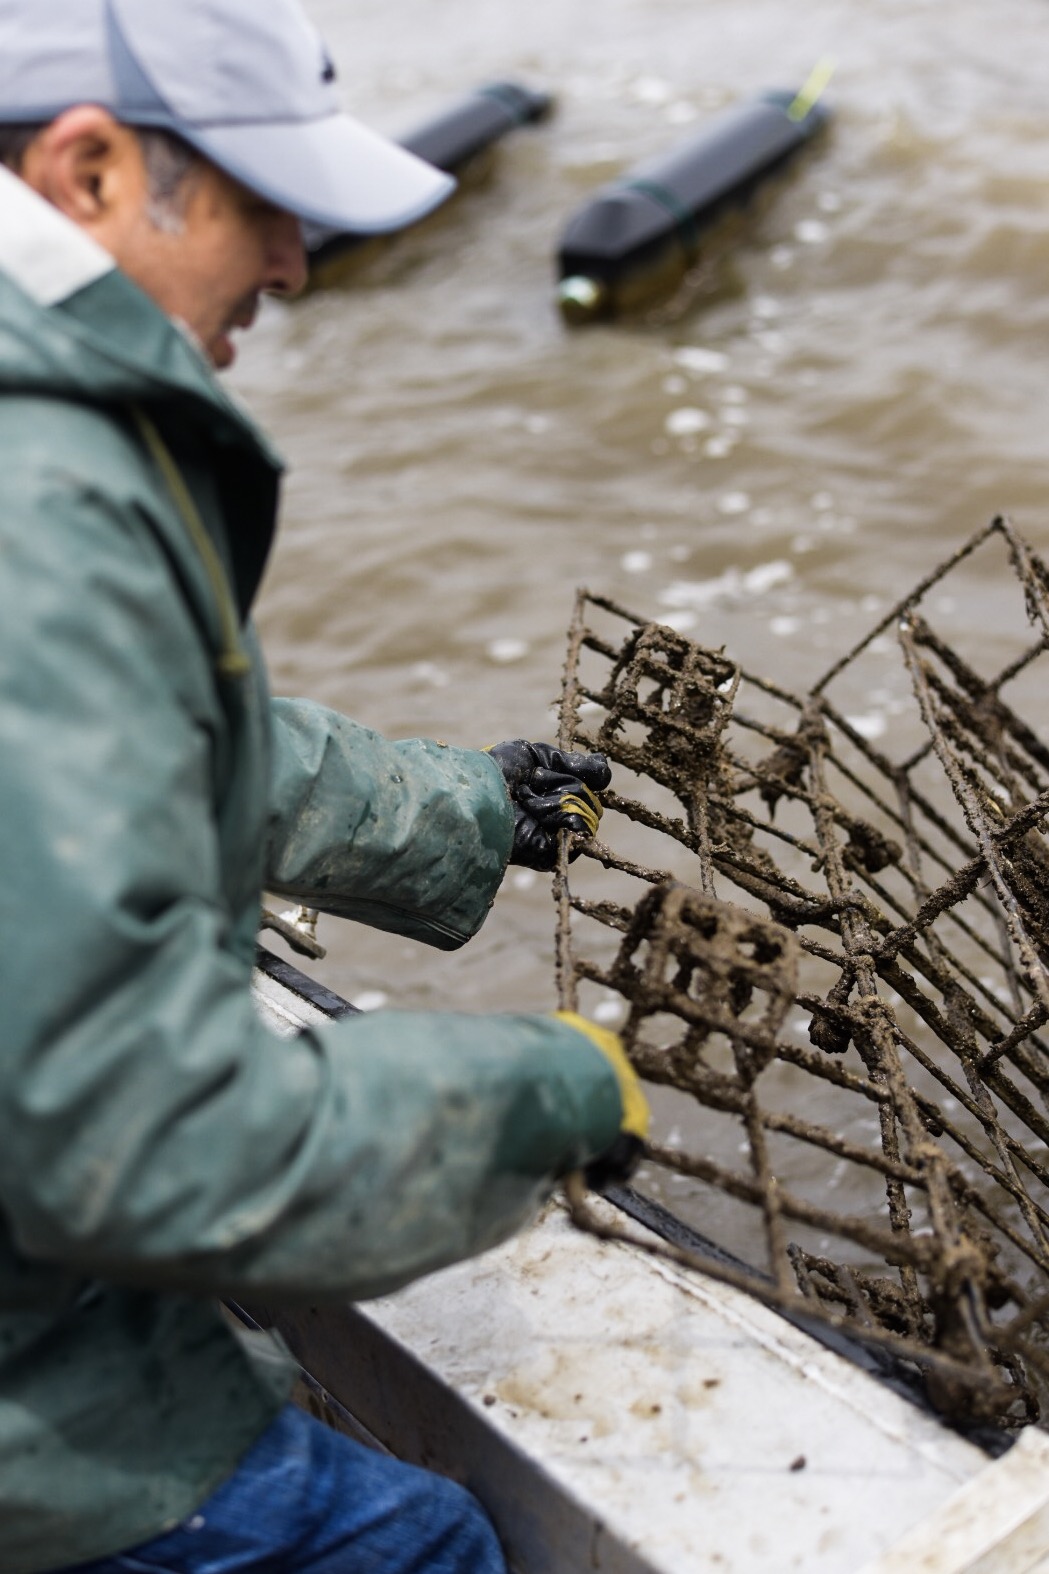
(72,326)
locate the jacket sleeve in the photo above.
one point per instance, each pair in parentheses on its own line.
(152,1131)
(409,836)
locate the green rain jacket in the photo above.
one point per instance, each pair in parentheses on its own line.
(159,1148)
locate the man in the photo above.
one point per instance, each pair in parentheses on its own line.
(158,1148)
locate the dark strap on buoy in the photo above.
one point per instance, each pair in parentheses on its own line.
(685,221)
(523,104)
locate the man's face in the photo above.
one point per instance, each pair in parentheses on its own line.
(208,273)
(208,270)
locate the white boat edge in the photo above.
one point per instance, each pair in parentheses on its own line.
(617,1414)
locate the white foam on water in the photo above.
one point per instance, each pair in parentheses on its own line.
(767,576)
(700,361)
(871,725)
(651,90)
(731,586)
(370,1000)
(429,672)
(681,622)
(507,650)
(686,421)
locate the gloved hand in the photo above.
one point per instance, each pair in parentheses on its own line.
(552,790)
(618,1163)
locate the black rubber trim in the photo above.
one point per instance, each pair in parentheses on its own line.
(301,984)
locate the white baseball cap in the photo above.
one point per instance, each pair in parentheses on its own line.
(248,83)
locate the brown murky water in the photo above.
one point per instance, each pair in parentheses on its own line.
(861,383)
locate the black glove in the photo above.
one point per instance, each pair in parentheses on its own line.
(617,1165)
(552,790)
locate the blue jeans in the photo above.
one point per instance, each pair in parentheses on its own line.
(307,1500)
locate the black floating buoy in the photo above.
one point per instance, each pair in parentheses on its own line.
(637,237)
(450,140)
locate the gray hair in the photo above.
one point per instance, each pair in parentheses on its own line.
(14,141)
(167,158)
(169,162)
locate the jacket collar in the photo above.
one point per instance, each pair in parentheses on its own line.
(46,256)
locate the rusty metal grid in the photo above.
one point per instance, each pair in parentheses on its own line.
(831,946)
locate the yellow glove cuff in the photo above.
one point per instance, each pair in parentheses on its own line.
(636,1117)
(586,805)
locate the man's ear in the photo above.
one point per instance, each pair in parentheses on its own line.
(87,165)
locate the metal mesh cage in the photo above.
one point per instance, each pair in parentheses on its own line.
(824,934)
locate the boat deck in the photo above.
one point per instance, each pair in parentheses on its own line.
(618,1414)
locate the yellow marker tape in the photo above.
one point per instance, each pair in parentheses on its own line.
(812,92)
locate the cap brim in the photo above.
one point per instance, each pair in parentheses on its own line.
(334,173)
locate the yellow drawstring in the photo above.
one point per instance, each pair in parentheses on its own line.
(232,661)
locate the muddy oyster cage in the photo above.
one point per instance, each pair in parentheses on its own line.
(821,923)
